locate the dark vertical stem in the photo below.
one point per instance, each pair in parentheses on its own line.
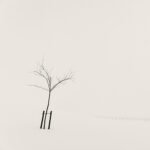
(50,117)
(47,110)
(42,119)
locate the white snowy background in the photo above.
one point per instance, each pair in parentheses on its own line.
(106,43)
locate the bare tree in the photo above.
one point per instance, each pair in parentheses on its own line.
(43,72)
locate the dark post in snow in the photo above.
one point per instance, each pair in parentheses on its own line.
(50,118)
(42,72)
(42,119)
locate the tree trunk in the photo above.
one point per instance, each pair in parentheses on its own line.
(47,109)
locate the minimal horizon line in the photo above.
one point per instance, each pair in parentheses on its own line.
(123,118)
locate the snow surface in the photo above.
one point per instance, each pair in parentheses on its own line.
(74,131)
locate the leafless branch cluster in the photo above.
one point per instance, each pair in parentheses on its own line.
(42,72)
(61,81)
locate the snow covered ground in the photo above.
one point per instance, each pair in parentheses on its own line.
(74,131)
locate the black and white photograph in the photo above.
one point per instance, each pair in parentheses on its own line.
(74,74)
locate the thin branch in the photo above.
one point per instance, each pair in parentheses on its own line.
(47,74)
(40,74)
(38,87)
(61,81)
(43,68)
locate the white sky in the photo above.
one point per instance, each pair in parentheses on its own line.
(106,43)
